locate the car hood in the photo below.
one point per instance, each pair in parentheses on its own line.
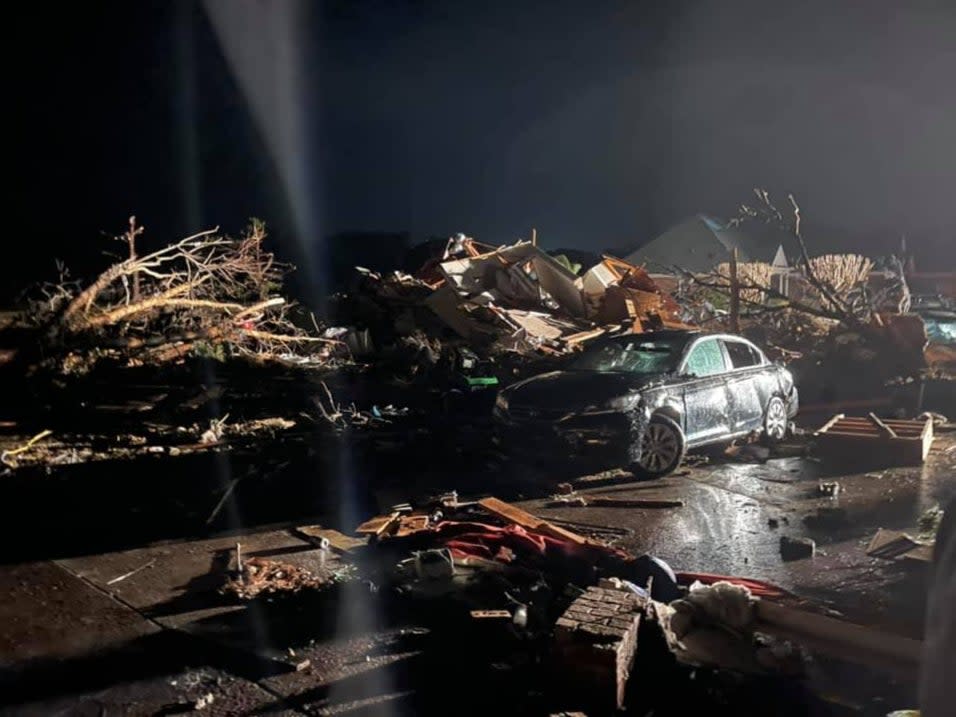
(574,390)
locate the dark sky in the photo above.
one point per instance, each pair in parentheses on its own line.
(599,123)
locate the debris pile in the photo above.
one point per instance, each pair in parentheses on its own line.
(258,576)
(514,298)
(582,607)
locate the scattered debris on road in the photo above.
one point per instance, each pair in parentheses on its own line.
(896,441)
(796,548)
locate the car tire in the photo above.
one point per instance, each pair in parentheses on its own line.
(776,423)
(663,446)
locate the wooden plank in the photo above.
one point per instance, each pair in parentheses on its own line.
(527,520)
(411,524)
(884,440)
(493,614)
(884,429)
(830,423)
(900,426)
(379,525)
(859,436)
(865,419)
(856,643)
(853,428)
(584,336)
(891,544)
(339,541)
(928,430)
(870,430)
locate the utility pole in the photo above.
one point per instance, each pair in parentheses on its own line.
(734,293)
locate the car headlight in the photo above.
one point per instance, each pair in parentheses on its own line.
(624,403)
(501,402)
(621,404)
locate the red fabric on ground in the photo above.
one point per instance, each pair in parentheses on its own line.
(485,541)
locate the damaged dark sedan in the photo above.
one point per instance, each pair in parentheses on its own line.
(643,400)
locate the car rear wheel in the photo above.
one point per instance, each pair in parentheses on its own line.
(775,422)
(662,448)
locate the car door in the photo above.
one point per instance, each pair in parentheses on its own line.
(746,379)
(706,407)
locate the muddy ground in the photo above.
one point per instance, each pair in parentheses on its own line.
(145,475)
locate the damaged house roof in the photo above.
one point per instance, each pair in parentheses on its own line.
(701,242)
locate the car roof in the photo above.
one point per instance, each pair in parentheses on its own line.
(665,333)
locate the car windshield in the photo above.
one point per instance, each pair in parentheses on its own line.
(632,355)
(941,330)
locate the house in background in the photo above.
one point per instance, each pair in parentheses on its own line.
(700,243)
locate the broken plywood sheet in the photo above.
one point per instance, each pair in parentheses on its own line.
(444,303)
(379,525)
(597,279)
(559,282)
(492,271)
(895,544)
(617,291)
(539,325)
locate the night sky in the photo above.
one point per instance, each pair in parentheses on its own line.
(598,123)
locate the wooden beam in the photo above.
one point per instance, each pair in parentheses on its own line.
(527,520)
(856,643)
(830,423)
(886,430)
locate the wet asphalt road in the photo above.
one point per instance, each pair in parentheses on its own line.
(77,644)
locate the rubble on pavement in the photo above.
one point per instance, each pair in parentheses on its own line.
(261,576)
(587,608)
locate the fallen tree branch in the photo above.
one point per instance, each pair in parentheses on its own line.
(787,302)
(25,447)
(812,277)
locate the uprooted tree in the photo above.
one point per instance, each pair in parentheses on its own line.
(205,293)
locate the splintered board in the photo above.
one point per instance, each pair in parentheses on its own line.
(897,441)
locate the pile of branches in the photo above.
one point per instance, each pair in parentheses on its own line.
(208,294)
(836,285)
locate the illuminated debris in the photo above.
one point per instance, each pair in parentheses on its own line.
(888,441)
(259,576)
(895,544)
(517,298)
(829,489)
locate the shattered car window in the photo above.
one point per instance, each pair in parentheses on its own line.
(941,331)
(706,359)
(631,356)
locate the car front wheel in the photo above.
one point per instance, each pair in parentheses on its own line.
(662,448)
(775,422)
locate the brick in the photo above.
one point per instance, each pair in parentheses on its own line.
(622,622)
(594,645)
